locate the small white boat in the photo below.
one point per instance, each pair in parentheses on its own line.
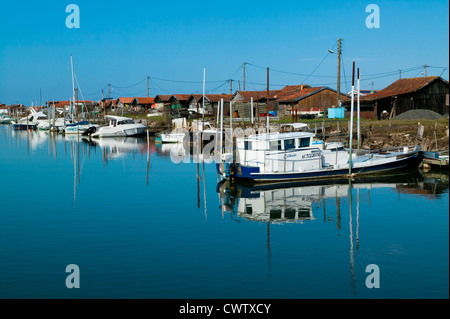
(178,134)
(5,119)
(119,126)
(78,128)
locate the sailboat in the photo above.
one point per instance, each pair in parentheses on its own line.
(76,127)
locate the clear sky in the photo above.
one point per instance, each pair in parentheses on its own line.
(123,42)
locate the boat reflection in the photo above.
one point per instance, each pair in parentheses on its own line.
(118,147)
(294,202)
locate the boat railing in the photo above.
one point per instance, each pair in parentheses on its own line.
(285,152)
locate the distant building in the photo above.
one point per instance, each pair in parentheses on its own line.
(3,108)
(310,99)
(430,93)
(144,103)
(212,102)
(126,103)
(162,102)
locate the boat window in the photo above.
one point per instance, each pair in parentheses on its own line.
(247,145)
(304,142)
(125,122)
(275,145)
(289,144)
(275,213)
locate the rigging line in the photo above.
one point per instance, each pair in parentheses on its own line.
(292,73)
(179,81)
(78,86)
(151,81)
(217,88)
(127,87)
(127,93)
(235,72)
(304,81)
(345,76)
(98,91)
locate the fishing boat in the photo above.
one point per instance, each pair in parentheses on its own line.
(294,156)
(118,126)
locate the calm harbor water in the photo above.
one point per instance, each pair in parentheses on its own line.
(139,225)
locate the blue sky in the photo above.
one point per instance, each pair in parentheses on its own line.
(123,42)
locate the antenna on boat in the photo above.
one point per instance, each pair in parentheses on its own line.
(351,121)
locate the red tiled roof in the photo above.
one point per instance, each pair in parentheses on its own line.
(163,97)
(145,100)
(289,89)
(401,86)
(300,94)
(126,100)
(218,97)
(182,97)
(247,95)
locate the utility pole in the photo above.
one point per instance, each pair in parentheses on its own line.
(109,90)
(147,86)
(338,75)
(231,86)
(267,91)
(399,73)
(267,106)
(244,76)
(425,70)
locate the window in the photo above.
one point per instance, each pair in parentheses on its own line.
(304,142)
(289,144)
(247,145)
(275,145)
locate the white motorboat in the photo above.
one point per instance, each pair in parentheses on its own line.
(119,126)
(5,119)
(78,128)
(31,121)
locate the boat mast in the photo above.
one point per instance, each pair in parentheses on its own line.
(358,110)
(351,122)
(73,87)
(203,101)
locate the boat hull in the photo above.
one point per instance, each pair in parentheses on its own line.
(239,172)
(24,127)
(134,131)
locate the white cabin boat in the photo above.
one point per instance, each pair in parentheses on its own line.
(119,126)
(296,155)
(31,121)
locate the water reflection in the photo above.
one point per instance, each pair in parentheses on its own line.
(293,202)
(303,202)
